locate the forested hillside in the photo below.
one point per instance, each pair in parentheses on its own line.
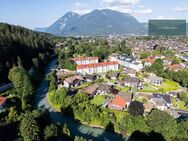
(21,44)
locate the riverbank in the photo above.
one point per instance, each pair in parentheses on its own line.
(78,120)
(75,127)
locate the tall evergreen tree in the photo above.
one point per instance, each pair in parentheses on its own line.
(29,128)
(22,83)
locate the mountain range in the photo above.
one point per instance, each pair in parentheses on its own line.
(98,22)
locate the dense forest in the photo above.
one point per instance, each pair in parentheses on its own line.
(18,44)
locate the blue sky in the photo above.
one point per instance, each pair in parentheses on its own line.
(42,13)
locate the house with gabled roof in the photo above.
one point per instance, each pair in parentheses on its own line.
(175,67)
(133,82)
(161,101)
(105,89)
(91,90)
(113,75)
(73,81)
(154,80)
(90,77)
(130,72)
(121,101)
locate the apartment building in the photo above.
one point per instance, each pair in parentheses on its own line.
(127,61)
(97,67)
(85,60)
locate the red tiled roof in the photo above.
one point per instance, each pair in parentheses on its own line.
(149,60)
(175,66)
(94,65)
(84,58)
(119,101)
(2,100)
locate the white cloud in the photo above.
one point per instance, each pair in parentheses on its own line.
(130,10)
(165,18)
(181,9)
(81,8)
(143,11)
(126,6)
(120,2)
(121,8)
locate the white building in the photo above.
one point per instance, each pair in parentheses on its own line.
(127,61)
(97,67)
(85,60)
(154,80)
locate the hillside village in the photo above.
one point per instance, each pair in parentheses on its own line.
(122,79)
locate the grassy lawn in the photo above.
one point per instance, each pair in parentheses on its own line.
(168,86)
(148,89)
(180,105)
(112,80)
(98,100)
(165,87)
(123,89)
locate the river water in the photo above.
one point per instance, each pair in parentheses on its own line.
(76,128)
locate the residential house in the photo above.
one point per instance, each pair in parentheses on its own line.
(90,78)
(148,61)
(73,81)
(121,101)
(175,67)
(2,102)
(130,72)
(85,60)
(154,80)
(97,67)
(127,97)
(113,75)
(91,90)
(161,102)
(105,89)
(133,82)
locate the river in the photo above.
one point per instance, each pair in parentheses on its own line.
(76,128)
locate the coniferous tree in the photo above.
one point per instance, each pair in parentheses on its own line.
(29,128)
(22,83)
